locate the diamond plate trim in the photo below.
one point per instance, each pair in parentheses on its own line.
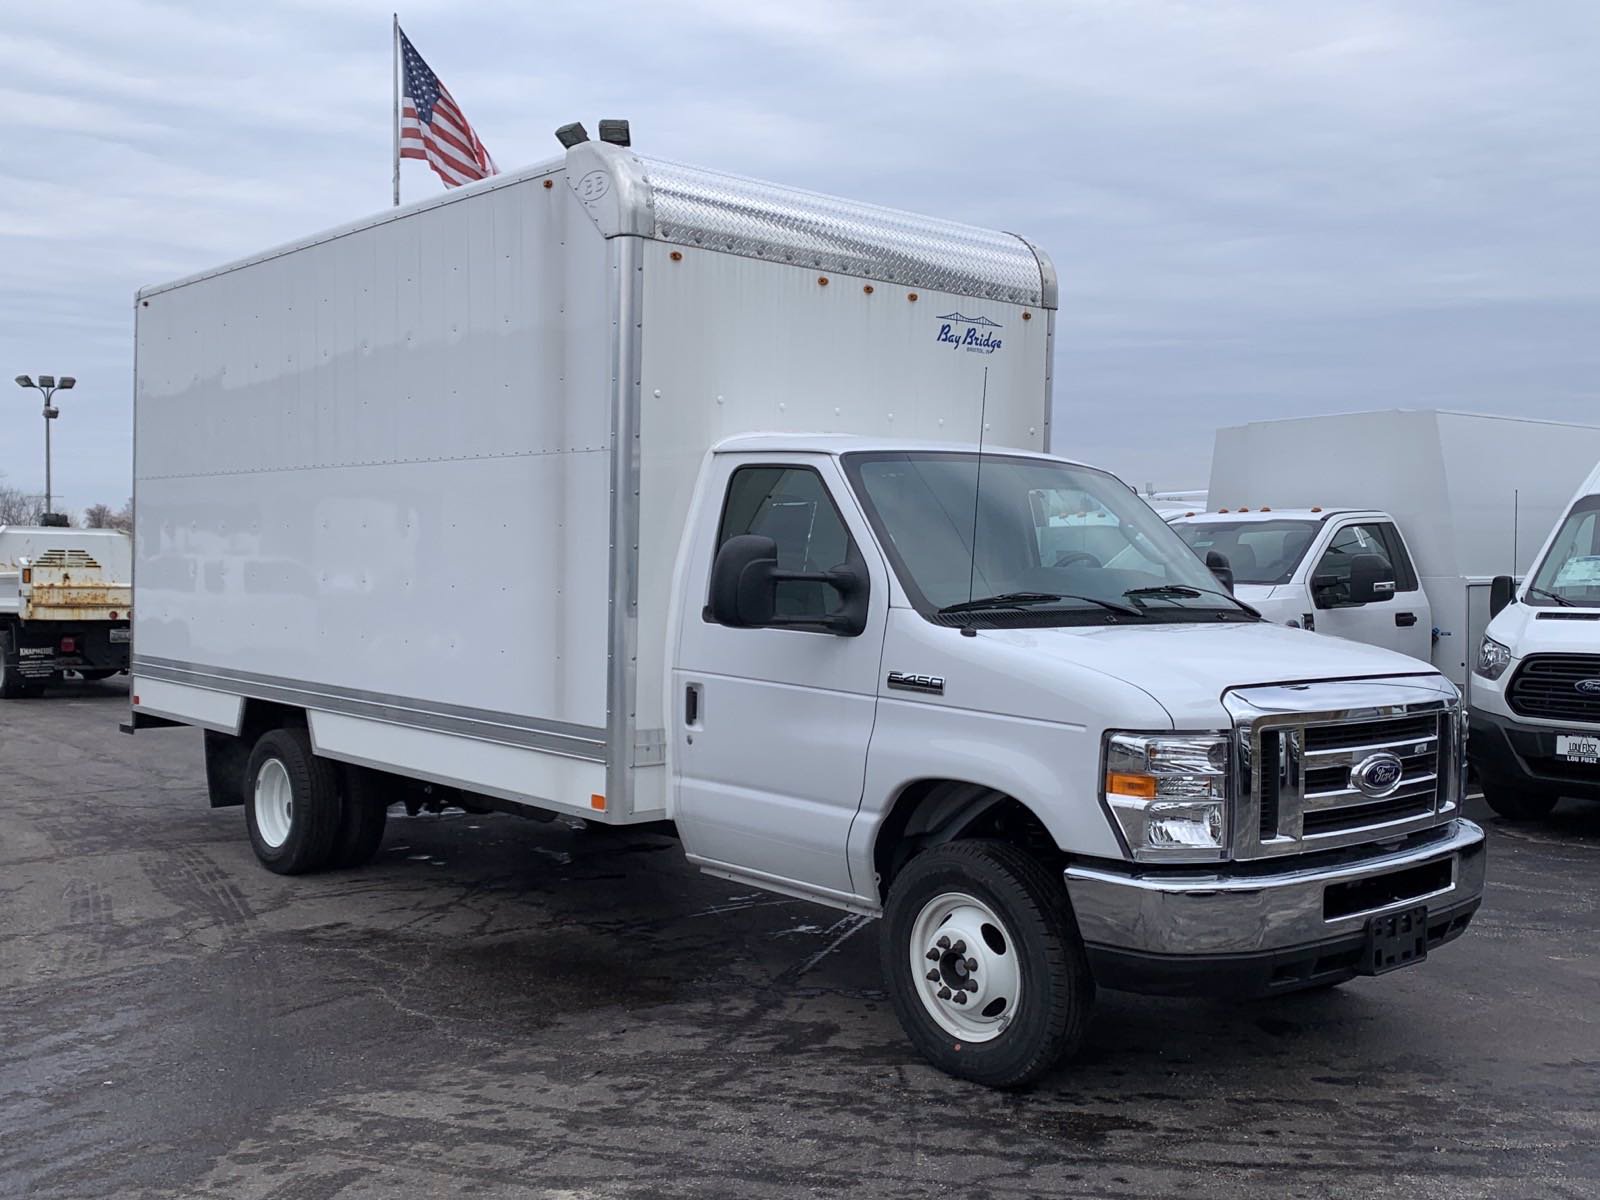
(696,207)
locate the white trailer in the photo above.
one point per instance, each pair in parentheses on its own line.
(1468,496)
(623,489)
(65,605)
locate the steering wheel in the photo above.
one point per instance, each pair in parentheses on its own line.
(1067,557)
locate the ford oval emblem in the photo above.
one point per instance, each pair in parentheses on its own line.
(1377,775)
(1589,687)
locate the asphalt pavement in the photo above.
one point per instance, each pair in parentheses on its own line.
(501,1007)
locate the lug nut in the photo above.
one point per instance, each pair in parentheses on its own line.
(934,956)
(932,977)
(944,993)
(972,964)
(943,943)
(960,997)
(959,948)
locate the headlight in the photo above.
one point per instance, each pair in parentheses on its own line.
(1493,659)
(1169,794)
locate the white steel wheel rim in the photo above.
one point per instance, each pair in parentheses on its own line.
(960,947)
(274,803)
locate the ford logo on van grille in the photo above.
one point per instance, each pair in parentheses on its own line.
(1589,687)
(1377,775)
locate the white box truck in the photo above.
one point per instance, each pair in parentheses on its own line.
(627,490)
(1387,527)
(65,605)
(1536,683)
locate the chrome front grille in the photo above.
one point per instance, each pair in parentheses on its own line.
(1328,765)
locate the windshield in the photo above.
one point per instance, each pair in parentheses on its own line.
(1052,537)
(1264,552)
(1571,571)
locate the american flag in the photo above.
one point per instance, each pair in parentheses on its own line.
(432,126)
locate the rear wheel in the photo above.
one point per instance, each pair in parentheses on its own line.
(292,804)
(12,685)
(364,814)
(984,964)
(1519,802)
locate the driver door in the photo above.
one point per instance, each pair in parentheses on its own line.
(771,725)
(1400,619)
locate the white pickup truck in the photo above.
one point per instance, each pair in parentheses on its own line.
(65,605)
(626,490)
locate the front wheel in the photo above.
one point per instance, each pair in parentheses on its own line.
(984,964)
(1521,802)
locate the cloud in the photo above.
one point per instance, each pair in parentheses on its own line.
(1255,208)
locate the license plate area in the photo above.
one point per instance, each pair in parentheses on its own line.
(1396,940)
(121,635)
(1578,748)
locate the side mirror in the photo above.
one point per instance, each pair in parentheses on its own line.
(1217,563)
(1501,593)
(1371,579)
(744,589)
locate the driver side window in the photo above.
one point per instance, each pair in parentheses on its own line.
(1347,543)
(790,505)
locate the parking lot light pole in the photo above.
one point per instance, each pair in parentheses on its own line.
(47,386)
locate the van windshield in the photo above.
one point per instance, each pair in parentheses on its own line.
(1570,573)
(1062,543)
(1265,552)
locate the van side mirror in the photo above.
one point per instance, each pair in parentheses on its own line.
(1217,563)
(744,589)
(1371,579)
(1501,593)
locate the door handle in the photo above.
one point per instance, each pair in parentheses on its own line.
(691,705)
(1405,620)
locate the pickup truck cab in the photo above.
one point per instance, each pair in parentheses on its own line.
(1536,682)
(1342,571)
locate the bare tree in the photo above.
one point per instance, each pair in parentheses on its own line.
(103,516)
(18,507)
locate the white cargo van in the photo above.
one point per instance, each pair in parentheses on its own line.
(1536,691)
(631,491)
(65,601)
(1386,527)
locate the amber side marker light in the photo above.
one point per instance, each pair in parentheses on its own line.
(597,802)
(1120,784)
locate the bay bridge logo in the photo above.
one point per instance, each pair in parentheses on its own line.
(976,335)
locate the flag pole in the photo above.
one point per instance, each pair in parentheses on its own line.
(396,41)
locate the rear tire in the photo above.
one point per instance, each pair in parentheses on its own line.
(1003,910)
(362,820)
(12,685)
(291,803)
(1519,802)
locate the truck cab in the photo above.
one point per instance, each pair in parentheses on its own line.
(1536,681)
(1344,572)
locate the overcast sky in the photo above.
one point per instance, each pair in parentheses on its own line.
(1257,209)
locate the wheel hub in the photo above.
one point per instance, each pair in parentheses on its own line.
(274,803)
(970,979)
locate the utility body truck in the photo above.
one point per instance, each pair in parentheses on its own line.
(630,491)
(65,605)
(1386,527)
(1536,683)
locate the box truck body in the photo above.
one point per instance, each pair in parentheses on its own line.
(627,490)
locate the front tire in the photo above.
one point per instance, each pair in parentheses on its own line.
(291,803)
(1520,802)
(985,921)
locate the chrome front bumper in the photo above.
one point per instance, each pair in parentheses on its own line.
(1151,915)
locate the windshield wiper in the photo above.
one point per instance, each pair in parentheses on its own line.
(1023,599)
(1562,600)
(1186,589)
